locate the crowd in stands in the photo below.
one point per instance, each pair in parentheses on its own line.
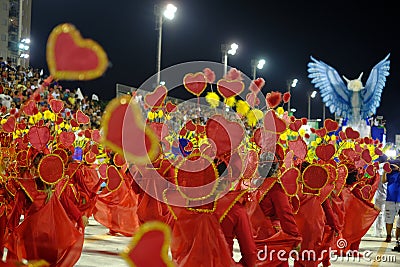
(17,84)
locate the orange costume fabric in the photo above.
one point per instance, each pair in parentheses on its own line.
(116,210)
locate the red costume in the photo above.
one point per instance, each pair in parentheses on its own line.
(116,209)
(274,226)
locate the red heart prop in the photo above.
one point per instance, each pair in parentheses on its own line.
(366,156)
(228,88)
(226,135)
(56,105)
(351,134)
(30,108)
(350,154)
(59,120)
(370,170)
(96,136)
(299,147)
(252,99)
(9,125)
(119,160)
(115,179)
(125,133)
(51,169)
(342,135)
(315,177)
(366,192)
(320,132)
(21,125)
(66,138)
(195,83)
(378,151)
(95,149)
(70,57)
(90,157)
(87,133)
(74,123)
(170,107)
(325,152)
(296,125)
(386,167)
(273,99)
(274,124)
(39,136)
(190,126)
(289,182)
(156,99)
(103,170)
(331,125)
(151,237)
(63,154)
(82,118)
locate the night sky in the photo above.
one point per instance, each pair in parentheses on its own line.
(351,36)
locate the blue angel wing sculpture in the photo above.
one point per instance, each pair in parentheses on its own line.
(333,90)
(371,95)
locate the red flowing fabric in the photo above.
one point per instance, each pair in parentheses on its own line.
(359,216)
(48,234)
(87,181)
(117,210)
(310,221)
(198,241)
(266,237)
(149,208)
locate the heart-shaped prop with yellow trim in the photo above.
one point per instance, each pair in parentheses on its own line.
(70,57)
(125,133)
(152,238)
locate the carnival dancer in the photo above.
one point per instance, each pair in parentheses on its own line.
(272,218)
(193,204)
(53,226)
(149,182)
(116,206)
(360,212)
(232,214)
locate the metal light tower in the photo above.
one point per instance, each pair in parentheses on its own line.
(291,84)
(310,95)
(257,65)
(225,49)
(169,13)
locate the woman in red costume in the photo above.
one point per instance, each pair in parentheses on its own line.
(272,218)
(360,212)
(232,215)
(116,206)
(197,237)
(53,227)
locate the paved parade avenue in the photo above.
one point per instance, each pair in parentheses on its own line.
(101,249)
